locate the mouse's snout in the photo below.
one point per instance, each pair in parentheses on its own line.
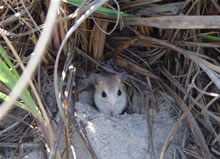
(113,107)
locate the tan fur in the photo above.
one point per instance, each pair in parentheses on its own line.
(109,82)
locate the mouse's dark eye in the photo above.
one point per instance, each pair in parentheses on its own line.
(119,92)
(104,94)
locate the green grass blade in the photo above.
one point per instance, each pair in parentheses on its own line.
(101,10)
(9,79)
(5,57)
(6,75)
(21,105)
(210,37)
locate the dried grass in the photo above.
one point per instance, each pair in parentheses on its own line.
(160,48)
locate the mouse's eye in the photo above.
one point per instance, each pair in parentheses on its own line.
(119,92)
(104,94)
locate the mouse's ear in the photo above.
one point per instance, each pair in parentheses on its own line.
(122,76)
(95,78)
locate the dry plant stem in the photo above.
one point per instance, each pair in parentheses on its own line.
(140,58)
(212,75)
(35,59)
(30,16)
(30,81)
(152,94)
(201,91)
(193,153)
(58,133)
(69,33)
(205,45)
(217,138)
(206,66)
(175,34)
(16,16)
(83,136)
(216,5)
(192,123)
(133,4)
(192,6)
(166,73)
(92,152)
(21,34)
(70,71)
(68,98)
(23,68)
(12,126)
(106,68)
(97,42)
(183,6)
(180,151)
(120,48)
(66,18)
(68,67)
(183,144)
(66,129)
(149,126)
(21,140)
(209,104)
(177,22)
(24,145)
(190,38)
(134,67)
(26,76)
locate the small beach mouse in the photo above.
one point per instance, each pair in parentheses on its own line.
(110,94)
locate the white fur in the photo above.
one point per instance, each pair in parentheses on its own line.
(104,104)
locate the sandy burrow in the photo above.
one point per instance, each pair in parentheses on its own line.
(126,136)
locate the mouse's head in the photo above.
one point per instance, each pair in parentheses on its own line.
(110,94)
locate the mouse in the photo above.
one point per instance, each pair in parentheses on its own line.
(110,95)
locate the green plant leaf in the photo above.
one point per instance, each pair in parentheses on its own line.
(5,57)
(19,104)
(210,37)
(101,10)
(9,79)
(6,75)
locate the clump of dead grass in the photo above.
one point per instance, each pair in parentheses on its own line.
(164,47)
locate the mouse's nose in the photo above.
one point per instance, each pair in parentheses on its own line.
(113,107)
